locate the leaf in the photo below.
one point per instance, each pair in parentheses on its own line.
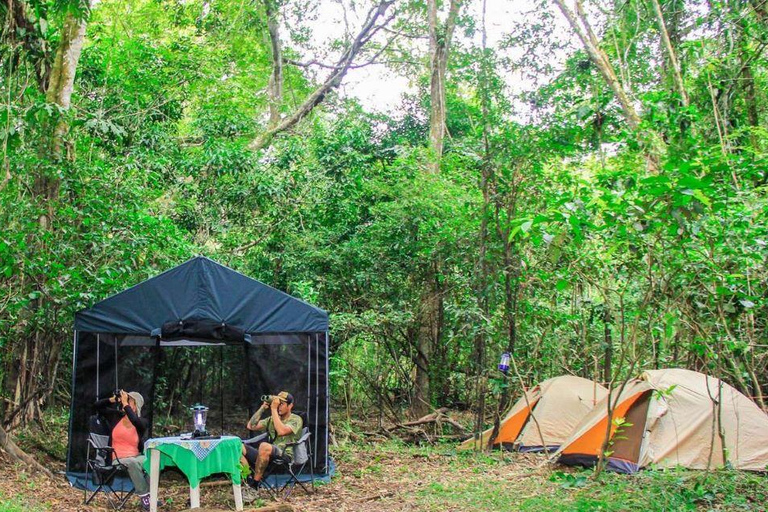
(748,304)
(698,194)
(561,285)
(526,226)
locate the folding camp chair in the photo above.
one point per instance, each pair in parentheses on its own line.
(293,470)
(295,467)
(100,469)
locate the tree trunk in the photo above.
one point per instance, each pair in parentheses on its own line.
(39,359)
(7,444)
(482,280)
(430,327)
(600,59)
(338,72)
(439,46)
(276,78)
(432,300)
(674,64)
(580,25)
(608,340)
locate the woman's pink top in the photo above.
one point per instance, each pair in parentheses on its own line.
(125,440)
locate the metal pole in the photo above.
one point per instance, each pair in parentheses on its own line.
(248,377)
(72,401)
(317,394)
(154,379)
(117,380)
(98,365)
(221,384)
(327,401)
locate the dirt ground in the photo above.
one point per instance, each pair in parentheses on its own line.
(368,478)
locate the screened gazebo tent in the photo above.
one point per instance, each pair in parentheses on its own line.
(269,340)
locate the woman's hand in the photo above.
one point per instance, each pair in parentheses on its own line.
(123,398)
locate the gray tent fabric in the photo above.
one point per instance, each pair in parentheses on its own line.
(201,289)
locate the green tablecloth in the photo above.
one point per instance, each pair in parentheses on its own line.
(223,458)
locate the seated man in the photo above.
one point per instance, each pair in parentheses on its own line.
(283,426)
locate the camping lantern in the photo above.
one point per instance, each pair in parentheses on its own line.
(199,415)
(504,363)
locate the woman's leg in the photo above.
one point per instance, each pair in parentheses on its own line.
(135,467)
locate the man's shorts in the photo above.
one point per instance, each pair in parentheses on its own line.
(252,452)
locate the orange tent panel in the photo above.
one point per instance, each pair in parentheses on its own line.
(592,440)
(510,429)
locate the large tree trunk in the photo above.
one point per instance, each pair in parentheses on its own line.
(429,333)
(439,46)
(9,447)
(276,78)
(35,366)
(432,300)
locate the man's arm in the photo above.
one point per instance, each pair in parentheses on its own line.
(255,422)
(280,428)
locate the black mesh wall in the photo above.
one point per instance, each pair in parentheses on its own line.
(102,365)
(295,363)
(172,376)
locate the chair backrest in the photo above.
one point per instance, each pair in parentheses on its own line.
(301,450)
(98,437)
(99,441)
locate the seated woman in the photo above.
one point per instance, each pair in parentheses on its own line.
(127,432)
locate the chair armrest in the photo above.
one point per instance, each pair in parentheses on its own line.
(257,439)
(301,440)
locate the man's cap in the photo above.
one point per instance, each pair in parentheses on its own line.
(286,397)
(139,401)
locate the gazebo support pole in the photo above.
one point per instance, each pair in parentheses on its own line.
(248,378)
(117,366)
(221,384)
(327,394)
(98,367)
(154,379)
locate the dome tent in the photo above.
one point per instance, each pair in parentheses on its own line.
(272,341)
(557,404)
(672,419)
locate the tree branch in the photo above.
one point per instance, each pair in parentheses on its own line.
(332,81)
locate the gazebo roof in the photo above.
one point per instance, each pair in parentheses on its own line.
(201,289)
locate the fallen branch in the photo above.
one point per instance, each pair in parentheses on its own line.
(439,416)
(278,507)
(379,496)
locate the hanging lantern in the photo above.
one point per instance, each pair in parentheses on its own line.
(199,415)
(504,362)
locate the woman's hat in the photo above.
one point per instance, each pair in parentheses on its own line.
(138,399)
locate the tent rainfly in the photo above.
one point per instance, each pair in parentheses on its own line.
(674,417)
(272,342)
(545,416)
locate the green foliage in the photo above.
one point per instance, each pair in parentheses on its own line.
(570,480)
(588,251)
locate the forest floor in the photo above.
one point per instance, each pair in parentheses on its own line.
(392,476)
